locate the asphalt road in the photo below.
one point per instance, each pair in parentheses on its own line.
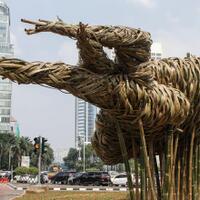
(7,193)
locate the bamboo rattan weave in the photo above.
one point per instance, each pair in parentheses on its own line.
(160,92)
(163,94)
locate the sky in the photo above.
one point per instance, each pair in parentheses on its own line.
(50,113)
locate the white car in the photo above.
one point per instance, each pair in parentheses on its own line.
(113,174)
(120,180)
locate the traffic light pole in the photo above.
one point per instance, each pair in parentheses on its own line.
(39,162)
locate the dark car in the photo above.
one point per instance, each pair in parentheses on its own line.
(61,177)
(94,178)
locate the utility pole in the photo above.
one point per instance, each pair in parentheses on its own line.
(39,161)
(40,148)
(84,155)
(38,151)
(9,157)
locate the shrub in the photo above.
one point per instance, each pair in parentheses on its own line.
(33,170)
(21,170)
(25,170)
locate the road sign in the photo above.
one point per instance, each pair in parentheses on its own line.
(25,161)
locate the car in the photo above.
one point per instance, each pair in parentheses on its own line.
(61,177)
(33,179)
(113,174)
(72,179)
(23,178)
(119,180)
(88,178)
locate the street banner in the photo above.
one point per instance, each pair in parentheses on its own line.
(25,161)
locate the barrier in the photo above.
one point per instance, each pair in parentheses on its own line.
(4,180)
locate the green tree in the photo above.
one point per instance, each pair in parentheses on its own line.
(6,142)
(47,158)
(71,159)
(91,159)
(12,149)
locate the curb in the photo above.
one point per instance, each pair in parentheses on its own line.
(15,187)
(115,189)
(90,189)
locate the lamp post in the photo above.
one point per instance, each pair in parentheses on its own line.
(9,157)
(83,142)
(0,154)
(84,155)
(10,167)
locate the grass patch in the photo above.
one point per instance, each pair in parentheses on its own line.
(75,196)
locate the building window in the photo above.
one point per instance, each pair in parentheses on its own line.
(5,87)
(5,119)
(5,103)
(158,54)
(5,96)
(4,111)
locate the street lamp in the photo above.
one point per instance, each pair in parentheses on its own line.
(82,142)
(82,138)
(1,154)
(85,143)
(9,157)
(10,167)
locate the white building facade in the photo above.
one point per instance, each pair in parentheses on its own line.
(59,154)
(6,50)
(156,51)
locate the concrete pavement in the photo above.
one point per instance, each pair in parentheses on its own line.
(8,193)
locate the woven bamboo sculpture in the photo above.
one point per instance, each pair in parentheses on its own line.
(136,95)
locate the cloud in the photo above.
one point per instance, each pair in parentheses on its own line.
(145,3)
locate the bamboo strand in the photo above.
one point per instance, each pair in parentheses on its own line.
(136,168)
(146,161)
(198,169)
(167,178)
(172,190)
(194,172)
(157,178)
(184,192)
(178,178)
(182,174)
(143,176)
(190,164)
(151,162)
(126,163)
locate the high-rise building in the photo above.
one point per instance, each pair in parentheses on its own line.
(59,154)
(85,114)
(156,51)
(6,50)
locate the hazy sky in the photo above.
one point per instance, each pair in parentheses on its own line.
(47,112)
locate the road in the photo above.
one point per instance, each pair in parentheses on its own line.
(7,193)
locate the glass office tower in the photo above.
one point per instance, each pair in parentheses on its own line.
(6,50)
(85,114)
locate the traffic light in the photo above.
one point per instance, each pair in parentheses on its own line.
(37,144)
(44,145)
